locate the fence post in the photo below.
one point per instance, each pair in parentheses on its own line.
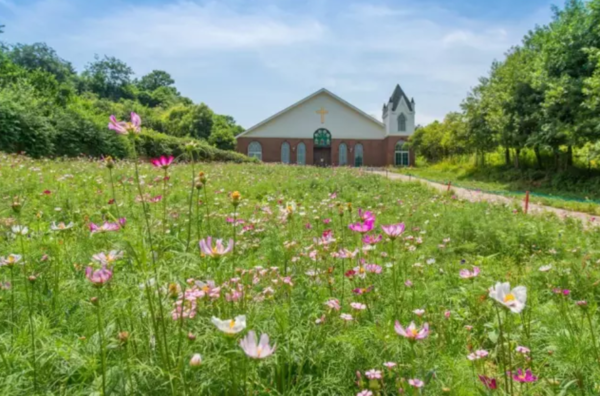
(449,185)
(526,202)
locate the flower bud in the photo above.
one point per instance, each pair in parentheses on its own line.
(123,336)
(235,198)
(32,278)
(110,163)
(95,301)
(191,336)
(196,360)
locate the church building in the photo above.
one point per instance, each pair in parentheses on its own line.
(323,129)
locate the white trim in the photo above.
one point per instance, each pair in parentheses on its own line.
(320,91)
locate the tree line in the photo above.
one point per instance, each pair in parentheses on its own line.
(47,108)
(543,97)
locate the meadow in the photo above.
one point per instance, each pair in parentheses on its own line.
(152,278)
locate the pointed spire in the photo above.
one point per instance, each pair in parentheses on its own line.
(397,95)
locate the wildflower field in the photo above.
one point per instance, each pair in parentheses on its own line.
(154,278)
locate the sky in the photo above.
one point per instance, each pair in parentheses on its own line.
(253,58)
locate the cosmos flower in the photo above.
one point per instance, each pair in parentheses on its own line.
(162,162)
(358,306)
(218,250)
(390,365)
(254,350)
(98,277)
(125,128)
(415,382)
(373,374)
(478,354)
(466,274)
(107,258)
(488,382)
(526,376)
(545,268)
(10,260)
(333,304)
(346,317)
(106,227)
(365,392)
(61,226)
(230,326)
(394,230)
(514,299)
(362,227)
(411,332)
(371,239)
(20,230)
(365,215)
(419,312)
(523,350)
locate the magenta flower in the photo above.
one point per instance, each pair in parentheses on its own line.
(478,354)
(523,350)
(526,376)
(106,227)
(362,227)
(218,250)
(255,350)
(488,382)
(393,230)
(98,277)
(411,332)
(162,162)
(125,128)
(365,215)
(365,392)
(466,274)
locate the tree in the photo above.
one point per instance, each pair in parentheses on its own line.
(41,56)
(108,77)
(194,121)
(155,79)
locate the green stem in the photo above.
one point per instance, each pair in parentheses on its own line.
(101,336)
(189,235)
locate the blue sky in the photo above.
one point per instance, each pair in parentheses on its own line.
(253,58)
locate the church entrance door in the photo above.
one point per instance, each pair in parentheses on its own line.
(322,156)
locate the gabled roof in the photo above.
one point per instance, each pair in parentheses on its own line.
(395,98)
(306,99)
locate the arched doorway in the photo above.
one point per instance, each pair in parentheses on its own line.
(322,147)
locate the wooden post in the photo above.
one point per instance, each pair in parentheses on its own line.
(526,202)
(449,185)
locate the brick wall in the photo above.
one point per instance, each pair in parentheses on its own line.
(376,153)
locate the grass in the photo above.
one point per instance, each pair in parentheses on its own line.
(61,334)
(566,190)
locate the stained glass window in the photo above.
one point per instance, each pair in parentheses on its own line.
(322,138)
(255,150)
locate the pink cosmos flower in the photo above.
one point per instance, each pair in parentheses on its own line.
(415,382)
(358,306)
(523,350)
(526,376)
(373,268)
(326,238)
(124,128)
(255,350)
(365,392)
(466,274)
(390,365)
(447,314)
(371,239)
(373,374)
(346,317)
(393,230)
(106,227)
(162,162)
(333,304)
(362,227)
(345,253)
(408,283)
(365,215)
(478,354)
(320,320)
(98,277)
(488,382)
(411,332)
(218,250)
(419,312)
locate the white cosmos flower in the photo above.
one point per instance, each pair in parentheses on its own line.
(230,326)
(20,230)
(61,226)
(514,299)
(545,268)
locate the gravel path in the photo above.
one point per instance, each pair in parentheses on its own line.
(478,196)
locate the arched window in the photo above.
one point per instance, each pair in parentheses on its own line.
(285,153)
(301,154)
(402,123)
(343,160)
(255,150)
(358,155)
(401,154)
(322,138)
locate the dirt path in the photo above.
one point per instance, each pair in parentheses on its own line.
(478,196)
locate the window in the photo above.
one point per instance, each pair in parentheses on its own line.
(343,155)
(401,154)
(402,123)
(255,150)
(285,153)
(301,154)
(358,155)
(322,138)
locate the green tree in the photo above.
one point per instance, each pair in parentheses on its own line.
(108,77)
(41,56)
